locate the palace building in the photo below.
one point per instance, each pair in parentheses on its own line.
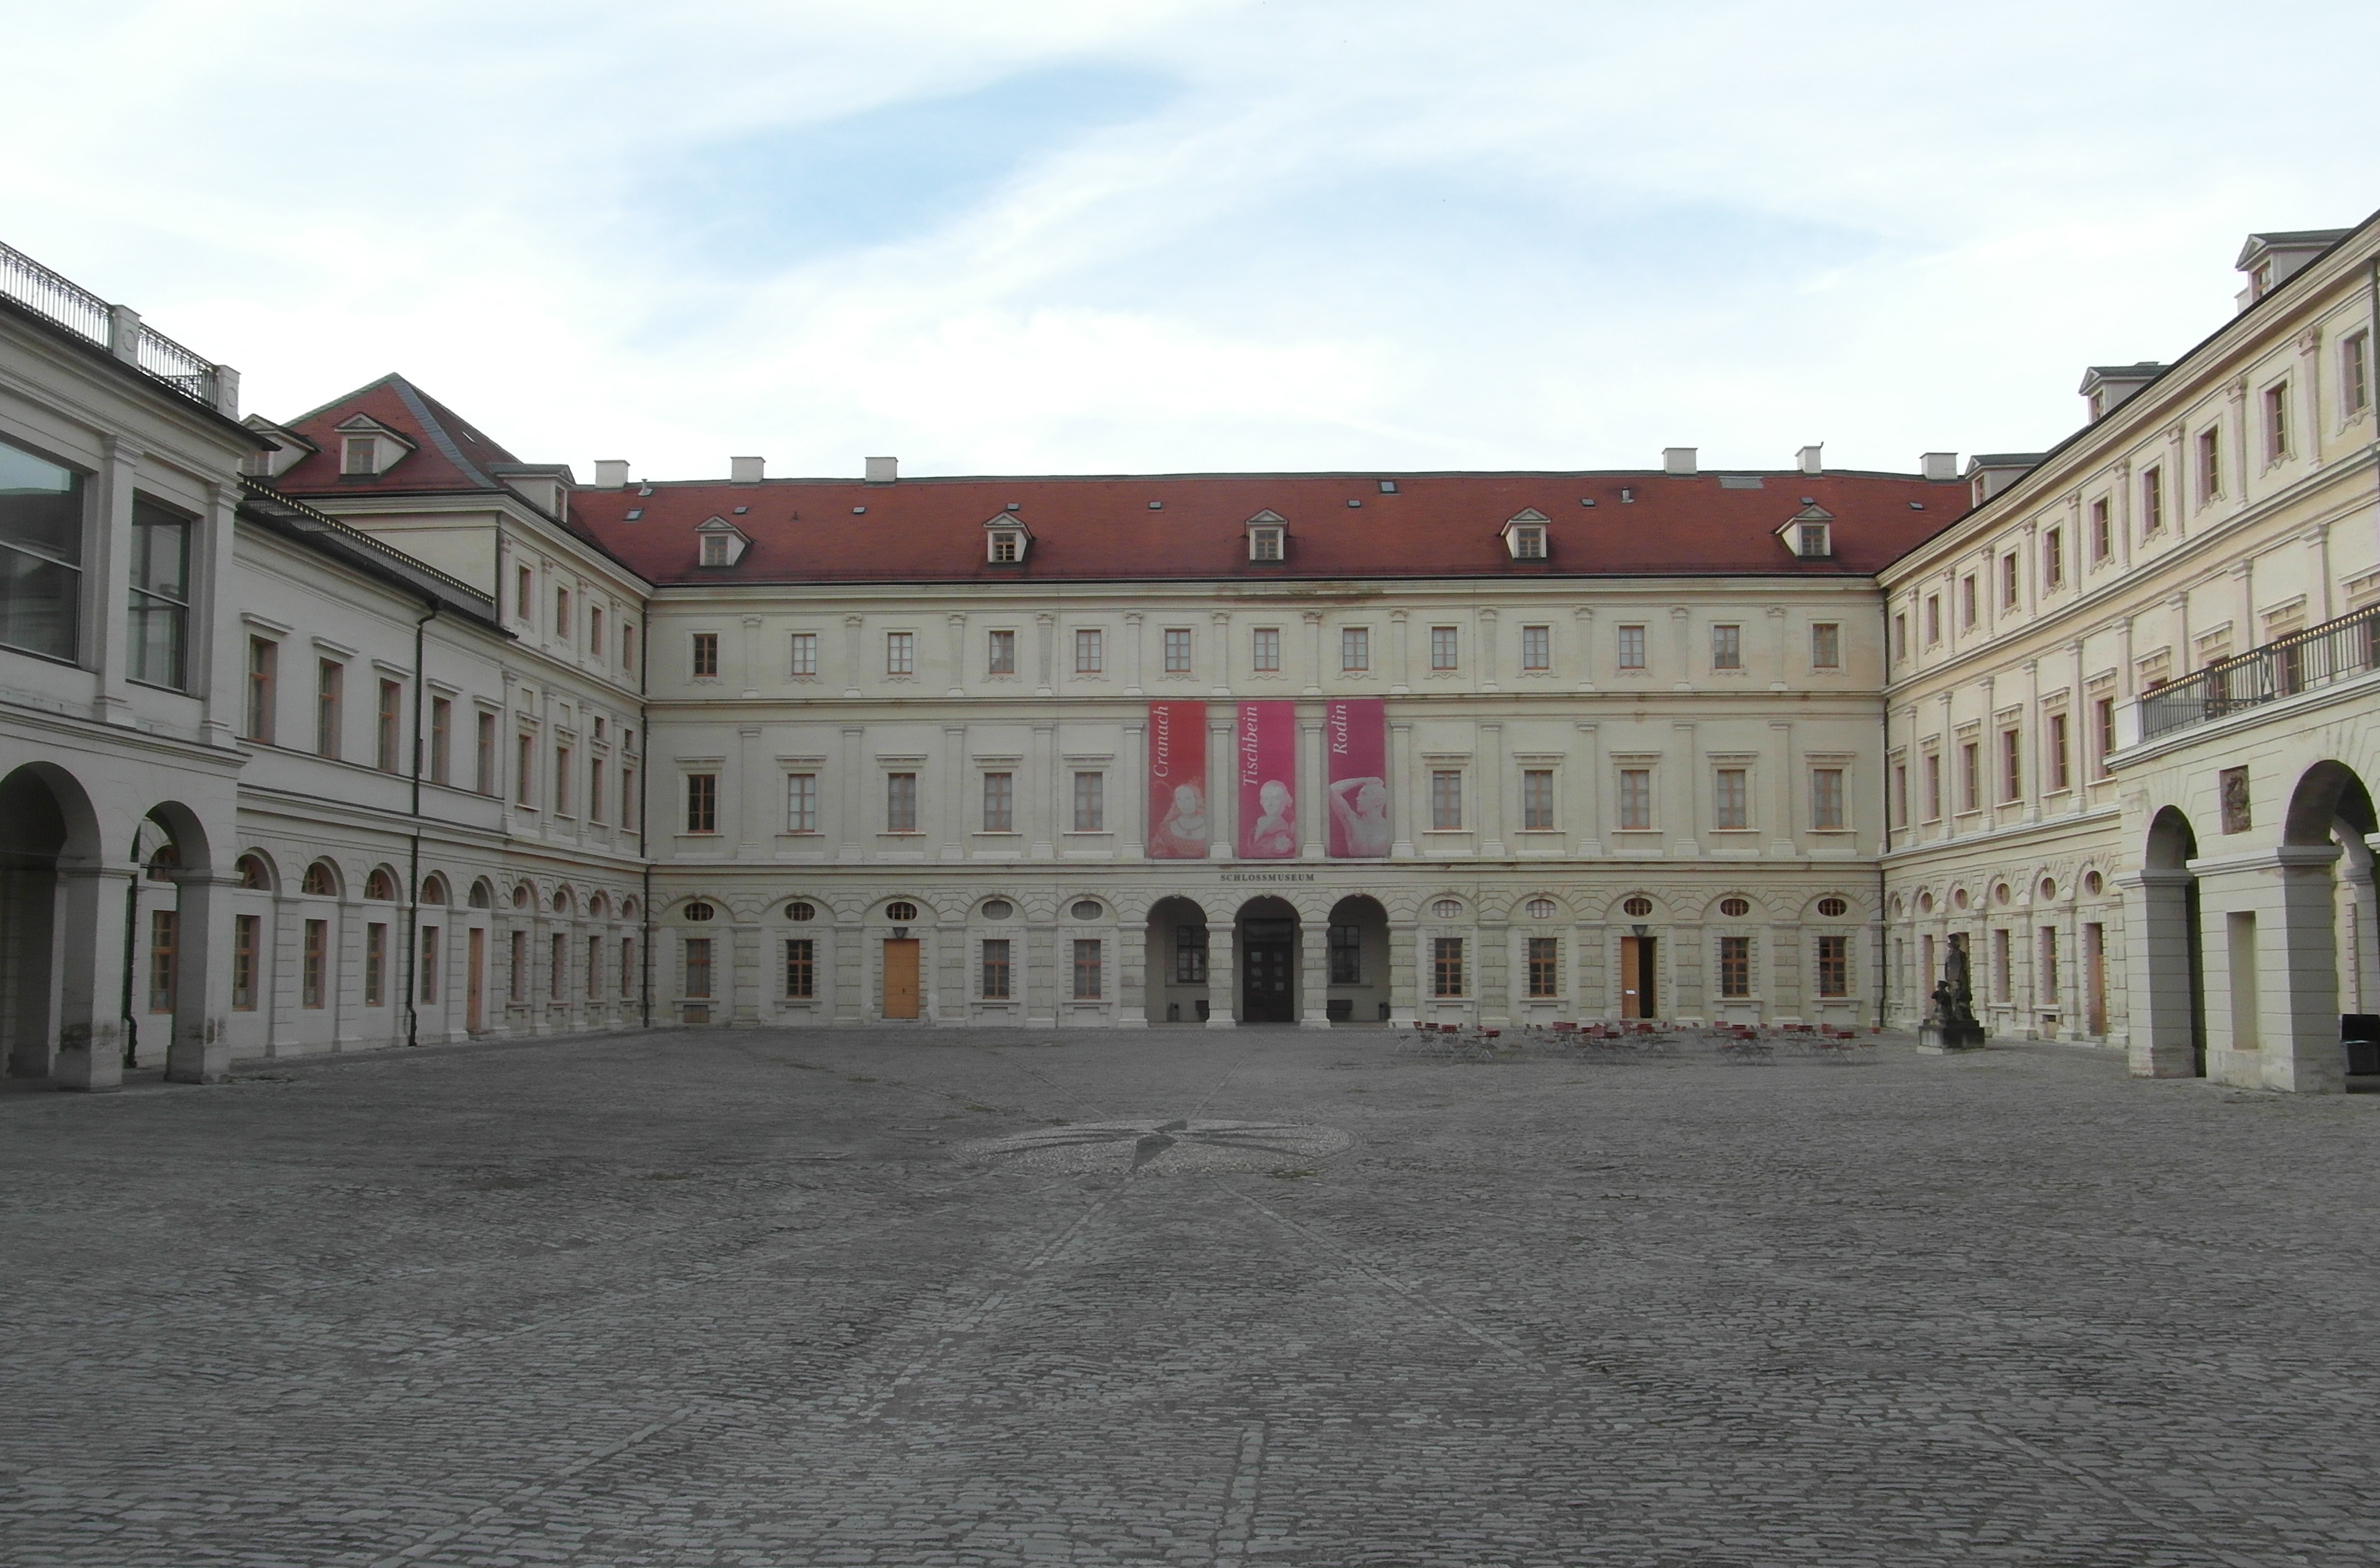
(355,729)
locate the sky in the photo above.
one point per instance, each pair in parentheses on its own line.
(1158,236)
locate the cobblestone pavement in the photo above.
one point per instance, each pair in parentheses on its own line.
(1237,1298)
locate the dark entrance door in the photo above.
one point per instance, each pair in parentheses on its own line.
(1636,969)
(1267,968)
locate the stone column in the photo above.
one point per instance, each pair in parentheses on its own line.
(1222,784)
(1778,656)
(1682,820)
(1590,786)
(1406,805)
(2156,984)
(1313,619)
(851,811)
(218,637)
(1585,618)
(958,625)
(1491,790)
(1131,803)
(1314,973)
(1491,649)
(1313,807)
(1494,941)
(1400,672)
(1218,651)
(1041,787)
(91,1027)
(200,1051)
(1680,632)
(1132,636)
(1131,1010)
(2298,957)
(953,792)
(1404,972)
(748,657)
(853,654)
(1223,973)
(1784,833)
(107,578)
(1045,653)
(755,838)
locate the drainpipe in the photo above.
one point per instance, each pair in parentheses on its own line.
(413,867)
(644,789)
(131,938)
(1884,908)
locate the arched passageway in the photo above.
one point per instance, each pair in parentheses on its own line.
(1267,937)
(2333,927)
(1358,959)
(2169,995)
(1178,961)
(60,1009)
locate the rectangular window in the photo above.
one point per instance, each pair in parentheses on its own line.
(1731,798)
(702,803)
(900,802)
(698,968)
(627,645)
(2152,502)
(1190,955)
(562,781)
(632,810)
(1901,794)
(1443,648)
(706,655)
(1933,786)
(801,803)
(2053,558)
(2355,372)
(557,966)
(1177,651)
(627,966)
(442,738)
(805,654)
(1968,610)
(1971,776)
(1545,966)
(158,631)
(1933,619)
(524,603)
(801,968)
(562,624)
(1264,650)
(1834,965)
(1001,657)
(1000,803)
(2046,968)
(2103,530)
(595,633)
(40,556)
(429,990)
(2008,582)
(484,765)
(359,454)
(329,676)
(263,657)
(1536,648)
(2000,965)
(316,963)
(595,790)
(247,936)
(524,769)
(1537,800)
(1727,648)
(164,941)
(996,983)
(1446,798)
(1826,646)
(1446,966)
(375,963)
(516,976)
(2011,766)
(1090,651)
(2057,751)
(1900,636)
(1090,803)
(1346,956)
(2276,422)
(1087,970)
(1826,805)
(1631,647)
(899,653)
(594,984)
(1636,798)
(1735,965)
(2103,714)
(385,730)
(2210,463)
(1355,647)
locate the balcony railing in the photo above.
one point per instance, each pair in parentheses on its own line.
(2318,656)
(117,329)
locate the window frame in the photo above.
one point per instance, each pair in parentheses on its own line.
(1727,646)
(995,971)
(66,619)
(1734,966)
(1541,962)
(148,599)
(1263,649)
(1540,812)
(1091,800)
(1732,799)
(802,801)
(701,803)
(998,800)
(1826,645)
(899,653)
(801,968)
(330,693)
(1831,799)
(1176,652)
(1090,651)
(1632,652)
(1445,649)
(703,656)
(1447,976)
(802,655)
(264,687)
(1355,649)
(999,651)
(901,800)
(1090,970)
(1537,649)
(1446,800)
(1634,801)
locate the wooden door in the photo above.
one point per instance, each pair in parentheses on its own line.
(1631,960)
(1267,971)
(901,978)
(475,982)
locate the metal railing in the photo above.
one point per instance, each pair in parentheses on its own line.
(121,333)
(2318,656)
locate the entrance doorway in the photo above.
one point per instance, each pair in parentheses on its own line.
(1636,968)
(1268,967)
(901,977)
(475,986)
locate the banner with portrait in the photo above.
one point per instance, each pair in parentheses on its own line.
(1355,749)
(1266,754)
(1178,821)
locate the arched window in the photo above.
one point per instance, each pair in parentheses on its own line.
(1446,909)
(380,884)
(1639,905)
(900,914)
(320,881)
(482,895)
(433,889)
(253,875)
(799,911)
(1833,909)
(1733,908)
(697,910)
(165,863)
(1541,909)
(1086,909)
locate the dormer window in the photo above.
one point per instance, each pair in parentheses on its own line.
(367,447)
(714,550)
(1525,535)
(1267,537)
(361,455)
(1006,540)
(719,542)
(1809,533)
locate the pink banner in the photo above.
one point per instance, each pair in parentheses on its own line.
(1178,823)
(1266,752)
(1355,738)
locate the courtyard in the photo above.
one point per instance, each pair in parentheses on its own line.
(1181,1296)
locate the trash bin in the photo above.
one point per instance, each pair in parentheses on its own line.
(2360,1032)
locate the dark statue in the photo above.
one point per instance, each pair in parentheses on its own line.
(1951,1026)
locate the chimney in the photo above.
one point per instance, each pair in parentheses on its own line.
(1677,460)
(611,473)
(1938,465)
(1807,458)
(745,470)
(883,471)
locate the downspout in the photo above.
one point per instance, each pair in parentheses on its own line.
(131,939)
(644,789)
(1883,908)
(413,866)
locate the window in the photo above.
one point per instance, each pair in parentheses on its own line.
(1087,968)
(1177,651)
(1446,798)
(698,966)
(706,655)
(524,601)
(697,911)
(524,759)
(1731,798)
(2152,502)
(328,675)
(41,554)
(442,738)
(595,633)
(1443,648)
(1933,786)
(1446,966)
(158,629)
(1355,647)
(2103,530)
(2007,581)
(995,969)
(1834,965)
(263,659)
(1834,908)
(315,963)
(1810,541)
(714,550)
(1826,646)
(1090,803)
(1635,798)
(1541,909)
(1735,908)
(384,721)
(1933,619)
(1007,546)
(1090,651)
(1900,636)
(562,781)
(1735,965)
(375,963)
(562,622)
(165,942)
(557,965)
(627,645)
(2044,967)
(1631,647)
(2053,558)
(1537,800)
(429,990)
(2210,463)
(2277,421)
(1901,794)
(1968,613)
(1190,955)
(899,653)
(1638,905)
(484,766)
(1447,910)
(702,803)
(1346,956)
(516,981)
(627,966)
(1528,543)
(1971,776)
(1545,966)
(801,967)
(2000,965)
(801,803)
(2057,769)
(1827,799)
(1263,651)
(1264,544)
(2011,766)
(1001,659)
(359,454)
(2355,372)
(1727,648)
(805,654)
(900,802)
(1000,803)
(2103,716)
(594,968)
(1536,648)
(247,935)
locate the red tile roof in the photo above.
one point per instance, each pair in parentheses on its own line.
(449,453)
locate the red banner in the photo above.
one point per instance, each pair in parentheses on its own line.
(1179,826)
(1355,738)
(1266,752)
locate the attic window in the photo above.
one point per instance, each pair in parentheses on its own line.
(635,512)
(714,550)
(1586,500)
(360,454)
(857,511)
(741,510)
(1352,502)
(1388,487)
(1007,547)
(1157,506)
(1810,541)
(1529,542)
(1264,543)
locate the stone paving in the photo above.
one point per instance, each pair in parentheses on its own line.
(1186,1297)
